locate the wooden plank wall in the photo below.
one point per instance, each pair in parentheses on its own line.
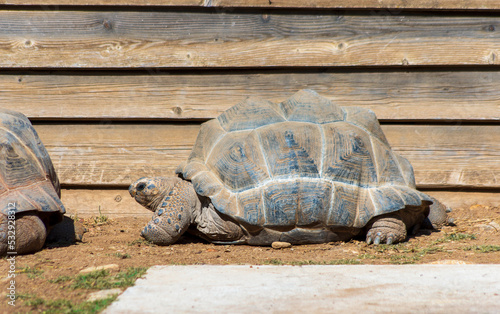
(117,89)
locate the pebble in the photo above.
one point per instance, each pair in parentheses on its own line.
(495,225)
(280,245)
(103,267)
(103,294)
(491,227)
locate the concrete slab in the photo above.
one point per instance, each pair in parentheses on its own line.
(314,289)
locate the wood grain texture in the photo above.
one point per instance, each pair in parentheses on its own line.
(115,154)
(394,95)
(346,4)
(450,156)
(118,203)
(442,156)
(111,203)
(181,39)
(395,5)
(465,199)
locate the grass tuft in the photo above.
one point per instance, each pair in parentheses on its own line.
(101,279)
(483,248)
(98,220)
(121,255)
(344,261)
(32,272)
(61,279)
(456,237)
(98,280)
(65,306)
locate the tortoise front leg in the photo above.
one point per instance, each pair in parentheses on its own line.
(173,216)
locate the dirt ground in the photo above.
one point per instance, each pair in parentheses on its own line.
(49,280)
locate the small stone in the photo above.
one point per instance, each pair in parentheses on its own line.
(281,245)
(476,207)
(103,267)
(495,225)
(103,294)
(486,227)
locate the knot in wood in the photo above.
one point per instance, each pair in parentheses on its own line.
(177,110)
(108,25)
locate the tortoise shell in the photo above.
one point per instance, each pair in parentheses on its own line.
(302,162)
(28,181)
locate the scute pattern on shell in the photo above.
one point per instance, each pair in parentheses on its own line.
(27,176)
(303,162)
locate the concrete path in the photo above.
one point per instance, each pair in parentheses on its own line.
(314,289)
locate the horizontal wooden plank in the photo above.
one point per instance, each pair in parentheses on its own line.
(362,4)
(345,4)
(442,156)
(118,203)
(179,39)
(395,95)
(450,156)
(466,199)
(110,203)
(116,154)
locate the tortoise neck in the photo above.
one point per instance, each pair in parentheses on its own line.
(165,186)
(184,196)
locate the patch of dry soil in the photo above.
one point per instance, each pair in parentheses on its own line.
(475,238)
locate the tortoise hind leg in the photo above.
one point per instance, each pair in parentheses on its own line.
(30,234)
(387,229)
(29,237)
(214,227)
(392,228)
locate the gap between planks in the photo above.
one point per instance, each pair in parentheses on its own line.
(388,6)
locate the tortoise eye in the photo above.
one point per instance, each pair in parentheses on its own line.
(140,187)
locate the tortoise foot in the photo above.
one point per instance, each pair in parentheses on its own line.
(165,229)
(30,234)
(388,230)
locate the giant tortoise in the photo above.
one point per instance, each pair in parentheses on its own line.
(29,187)
(302,171)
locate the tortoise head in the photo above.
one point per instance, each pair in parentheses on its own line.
(149,192)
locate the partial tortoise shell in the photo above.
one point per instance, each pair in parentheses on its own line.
(302,162)
(28,181)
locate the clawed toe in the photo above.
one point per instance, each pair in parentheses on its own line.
(388,230)
(379,237)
